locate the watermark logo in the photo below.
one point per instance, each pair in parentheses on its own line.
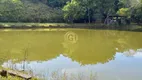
(71,37)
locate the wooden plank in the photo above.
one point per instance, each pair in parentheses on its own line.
(15,73)
(19,74)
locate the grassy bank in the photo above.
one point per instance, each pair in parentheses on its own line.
(132,27)
(48,25)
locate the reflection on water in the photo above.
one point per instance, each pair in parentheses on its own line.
(118,69)
(110,55)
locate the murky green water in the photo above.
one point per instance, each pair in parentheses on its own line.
(107,54)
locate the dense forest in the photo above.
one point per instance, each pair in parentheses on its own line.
(69,10)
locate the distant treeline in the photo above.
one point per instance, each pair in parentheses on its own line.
(69,10)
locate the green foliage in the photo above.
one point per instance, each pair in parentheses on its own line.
(68,10)
(137,15)
(56,3)
(89,9)
(137,12)
(39,12)
(124,12)
(79,9)
(10,10)
(133,9)
(27,11)
(73,10)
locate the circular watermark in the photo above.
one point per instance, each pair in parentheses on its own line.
(71,37)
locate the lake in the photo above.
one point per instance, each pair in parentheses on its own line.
(73,54)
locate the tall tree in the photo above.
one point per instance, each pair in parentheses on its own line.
(79,9)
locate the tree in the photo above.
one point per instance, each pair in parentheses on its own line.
(137,12)
(79,9)
(73,11)
(28,11)
(106,8)
(10,10)
(133,9)
(88,9)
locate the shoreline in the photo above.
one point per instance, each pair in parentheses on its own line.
(33,26)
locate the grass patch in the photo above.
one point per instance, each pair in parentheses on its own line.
(47,25)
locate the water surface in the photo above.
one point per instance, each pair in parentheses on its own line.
(105,54)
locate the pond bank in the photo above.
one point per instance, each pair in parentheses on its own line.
(132,27)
